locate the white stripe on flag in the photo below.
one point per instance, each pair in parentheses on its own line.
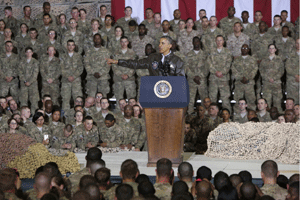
(167,9)
(209,6)
(137,9)
(278,6)
(241,5)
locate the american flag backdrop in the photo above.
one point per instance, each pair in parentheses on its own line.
(190,8)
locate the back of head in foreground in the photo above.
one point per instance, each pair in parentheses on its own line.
(204,172)
(93,191)
(203,190)
(93,154)
(248,191)
(221,180)
(228,193)
(129,170)
(164,168)
(146,188)
(124,192)
(185,171)
(179,187)
(269,171)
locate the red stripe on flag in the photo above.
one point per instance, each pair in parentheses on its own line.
(265,7)
(188,9)
(117,8)
(294,10)
(222,7)
(154,4)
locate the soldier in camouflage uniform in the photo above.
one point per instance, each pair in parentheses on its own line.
(292,73)
(9,76)
(134,134)
(139,42)
(257,19)
(285,43)
(70,113)
(10,21)
(89,38)
(272,69)
(109,27)
(97,107)
(219,62)
(103,13)
(111,134)
(244,69)
(39,18)
(62,27)
(132,30)
(149,15)
(249,29)
(28,71)
(99,117)
(204,26)
(165,31)
(124,77)
(190,138)
(22,37)
(155,28)
(27,17)
(50,70)
(32,42)
(209,36)
(97,68)
(236,39)
(42,185)
(197,73)
(8,37)
(64,138)
(52,40)
(284,16)
(87,136)
(75,35)
(174,23)
(114,44)
(241,115)
(198,23)
(185,39)
(276,29)
(55,122)
(83,23)
(44,29)
(123,22)
(38,129)
(72,68)
(162,187)
(227,23)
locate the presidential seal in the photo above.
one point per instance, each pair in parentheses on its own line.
(162,89)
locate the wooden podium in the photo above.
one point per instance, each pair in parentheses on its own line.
(164,100)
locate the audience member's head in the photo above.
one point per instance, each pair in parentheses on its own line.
(221,180)
(179,187)
(228,192)
(42,183)
(86,180)
(141,178)
(269,171)
(185,171)
(81,195)
(282,181)
(204,190)
(93,191)
(102,177)
(235,180)
(248,191)
(293,191)
(164,168)
(124,192)
(93,154)
(129,170)
(245,175)
(204,172)
(95,165)
(146,188)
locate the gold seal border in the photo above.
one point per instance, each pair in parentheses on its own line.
(161,96)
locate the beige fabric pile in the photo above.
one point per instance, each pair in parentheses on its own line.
(255,141)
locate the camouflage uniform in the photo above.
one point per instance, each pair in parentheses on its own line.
(190,139)
(291,27)
(28,22)
(36,134)
(227,24)
(109,33)
(55,126)
(292,70)
(130,34)
(84,26)
(58,141)
(75,178)
(37,47)
(43,32)
(147,24)
(9,68)
(83,137)
(163,190)
(140,73)
(296,36)
(250,29)
(160,34)
(2,44)
(61,30)
(39,20)
(13,24)
(50,70)
(198,24)
(285,48)
(185,40)
(89,40)
(260,45)
(71,66)
(275,33)
(95,62)
(113,136)
(209,39)
(245,67)
(101,21)
(78,39)
(219,62)
(69,116)
(124,24)
(138,45)
(119,84)
(58,47)
(28,72)
(153,30)
(175,26)
(133,132)
(264,118)
(274,191)
(100,120)
(20,41)
(234,44)
(196,67)
(237,117)
(3,122)
(114,45)
(94,110)
(272,69)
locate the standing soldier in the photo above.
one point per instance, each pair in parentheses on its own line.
(292,73)
(271,69)
(155,28)
(103,12)
(227,23)
(202,13)
(44,29)
(150,19)
(10,21)
(33,43)
(248,28)
(27,19)
(109,28)
(237,39)
(132,30)
(114,44)
(165,31)
(174,23)
(284,16)
(276,29)
(72,68)
(97,68)
(83,23)
(123,22)
(52,40)
(28,72)
(244,69)
(219,62)
(75,35)
(285,43)
(139,42)
(39,18)
(197,73)
(8,37)
(50,71)
(124,77)
(89,38)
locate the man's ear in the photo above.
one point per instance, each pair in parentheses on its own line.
(262,175)
(278,173)
(121,175)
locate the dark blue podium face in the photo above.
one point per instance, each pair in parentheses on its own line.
(164,92)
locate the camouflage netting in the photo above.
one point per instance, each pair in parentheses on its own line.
(57,7)
(255,141)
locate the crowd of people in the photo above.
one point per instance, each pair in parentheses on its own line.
(93,182)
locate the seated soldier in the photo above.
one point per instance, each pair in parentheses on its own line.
(87,136)
(190,138)
(55,123)
(88,103)
(225,115)
(206,104)
(281,119)
(100,116)
(297,112)
(241,117)
(112,134)
(290,103)
(164,172)
(197,122)
(93,190)
(25,115)
(97,107)
(204,191)
(69,114)
(129,172)
(263,114)
(120,112)
(124,192)
(274,114)
(251,114)
(63,138)
(289,116)
(293,191)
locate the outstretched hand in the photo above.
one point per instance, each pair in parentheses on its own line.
(111,61)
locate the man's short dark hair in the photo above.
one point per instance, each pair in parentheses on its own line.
(88,118)
(93,190)
(124,192)
(26,7)
(202,10)
(214,104)
(141,178)
(46,4)
(129,169)
(149,9)
(8,8)
(81,195)
(94,154)
(86,180)
(132,23)
(103,6)
(277,16)
(270,169)
(235,180)
(282,181)
(294,178)
(221,180)
(284,11)
(180,187)
(243,99)
(245,175)
(110,117)
(128,7)
(82,9)
(204,172)
(185,170)
(228,192)
(248,191)
(102,176)
(170,40)
(164,167)
(146,188)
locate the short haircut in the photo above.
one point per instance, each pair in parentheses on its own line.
(202,10)
(270,169)
(149,9)
(124,192)
(277,16)
(254,119)
(221,180)
(81,195)
(245,175)
(46,14)
(284,11)
(141,178)
(282,181)
(88,118)
(258,11)
(164,167)
(110,117)
(70,41)
(180,187)
(129,169)
(263,99)
(94,154)
(294,178)
(103,98)
(214,104)
(86,180)
(26,7)
(242,99)
(146,188)
(102,176)
(248,191)
(8,8)
(228,192)
(132,23)
(128,7)
(33,29)
(185,170)
(203,189)
(170,40)
(46,4)
(36,116)
(93,190)
(245,11)
(95,165)
(204,172)
(28,48)
(82,9)
(235,180)
(103,6)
